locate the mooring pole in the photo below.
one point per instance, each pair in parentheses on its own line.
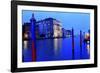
(80,44)
(72,43)
(89,41)
(33,37)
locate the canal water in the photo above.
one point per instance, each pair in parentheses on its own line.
(57,49)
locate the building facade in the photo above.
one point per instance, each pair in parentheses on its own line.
(49,28)
(66,33)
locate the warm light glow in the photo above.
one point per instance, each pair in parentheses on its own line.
(25,35)
(25,44)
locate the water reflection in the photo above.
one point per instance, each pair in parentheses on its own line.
(57,49)
(45,50)
(49,49)
(57,46)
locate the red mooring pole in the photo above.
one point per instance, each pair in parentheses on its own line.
(33,37)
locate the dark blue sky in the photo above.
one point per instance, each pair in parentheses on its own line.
(79,21)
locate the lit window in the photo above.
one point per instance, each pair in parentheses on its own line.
(26,35)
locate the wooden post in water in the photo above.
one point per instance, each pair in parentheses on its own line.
(80,44)
(84,36)
(72,43)
(33,37)
(89,42)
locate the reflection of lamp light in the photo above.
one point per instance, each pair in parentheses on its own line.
(87,37)
(25,44)
(88,48)
(57,46)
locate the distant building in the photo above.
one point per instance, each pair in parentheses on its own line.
(49,27)
(66,33)
(45,28)
(57,28)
